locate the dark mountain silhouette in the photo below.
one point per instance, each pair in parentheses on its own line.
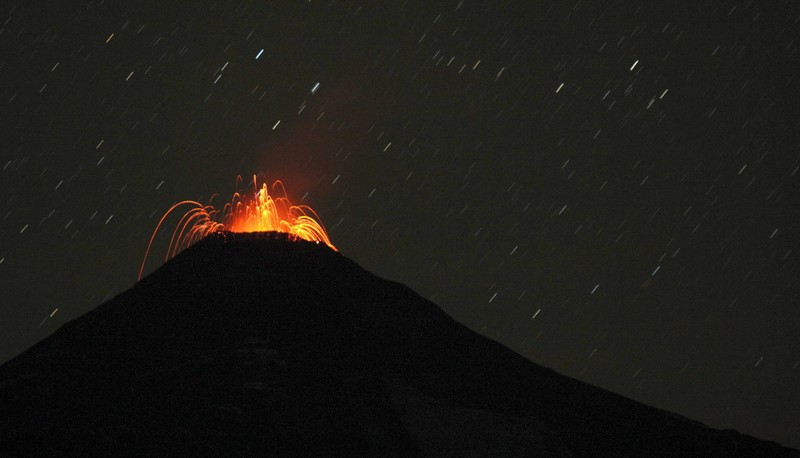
(258,345)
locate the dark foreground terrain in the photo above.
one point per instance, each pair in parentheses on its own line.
(258,345)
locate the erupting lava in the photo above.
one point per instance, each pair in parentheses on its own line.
(261,212)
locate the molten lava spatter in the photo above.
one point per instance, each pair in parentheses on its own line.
(259,212)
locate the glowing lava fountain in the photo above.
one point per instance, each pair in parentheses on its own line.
(260,212)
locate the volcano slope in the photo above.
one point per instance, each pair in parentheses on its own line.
(259,345)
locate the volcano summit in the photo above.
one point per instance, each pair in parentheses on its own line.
(259,344)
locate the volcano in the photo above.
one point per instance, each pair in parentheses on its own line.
(260,345)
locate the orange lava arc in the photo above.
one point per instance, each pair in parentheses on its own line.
(259,212)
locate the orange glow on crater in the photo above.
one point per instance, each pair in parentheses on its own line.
(259,212)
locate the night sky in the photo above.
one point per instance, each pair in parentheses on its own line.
(608,188)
